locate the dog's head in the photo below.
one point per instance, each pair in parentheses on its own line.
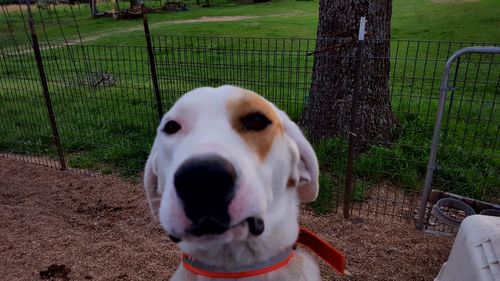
(227,165)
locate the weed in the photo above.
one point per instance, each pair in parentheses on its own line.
(325,202)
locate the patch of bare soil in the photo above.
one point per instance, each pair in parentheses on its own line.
(388,202)
(57,225)
(380,251)
(215,19)
(13,7)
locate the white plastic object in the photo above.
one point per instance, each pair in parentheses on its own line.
(475,255)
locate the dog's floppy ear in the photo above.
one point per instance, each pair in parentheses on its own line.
(308,170)
(151,182)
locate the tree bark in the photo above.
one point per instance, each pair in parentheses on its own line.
(93,8)
(328,111)
(134,3)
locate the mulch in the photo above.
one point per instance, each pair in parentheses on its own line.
(57,225)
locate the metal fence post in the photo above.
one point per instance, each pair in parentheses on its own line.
(431,166)
(45,87)
(352,125)
(450,106)
(152,65)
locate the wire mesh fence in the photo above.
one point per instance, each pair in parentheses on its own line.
(106,111)
(466,162)
(473,175)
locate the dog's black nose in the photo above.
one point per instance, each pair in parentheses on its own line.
(206,186)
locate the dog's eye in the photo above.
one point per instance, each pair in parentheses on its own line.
(171,127)
(255,121)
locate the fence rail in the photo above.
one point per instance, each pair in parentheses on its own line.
(106,106)
(445,87)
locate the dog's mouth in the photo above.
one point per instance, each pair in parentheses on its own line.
(209,226)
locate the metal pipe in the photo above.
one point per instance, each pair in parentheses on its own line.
(45,87)
(437,127)
(152,66)
(352,125)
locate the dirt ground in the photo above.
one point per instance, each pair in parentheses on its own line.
(58,225)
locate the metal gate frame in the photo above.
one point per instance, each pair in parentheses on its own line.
(437,127)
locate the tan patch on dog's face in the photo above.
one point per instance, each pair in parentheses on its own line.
(251,105)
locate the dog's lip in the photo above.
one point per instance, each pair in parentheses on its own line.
(241,223)
(247,221)
(177,237)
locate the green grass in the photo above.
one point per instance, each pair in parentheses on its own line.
(110,127)
(412,19)
(475,21)
(326,200)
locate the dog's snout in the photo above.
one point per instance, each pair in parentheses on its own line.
(206,186)
(207,177)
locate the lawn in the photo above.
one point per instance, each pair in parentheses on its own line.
(454,20)
(106,112)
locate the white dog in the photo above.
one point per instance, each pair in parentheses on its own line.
(225,176)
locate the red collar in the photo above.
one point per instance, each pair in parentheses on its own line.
(328,253)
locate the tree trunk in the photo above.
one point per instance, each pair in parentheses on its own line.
(134,3)
(93,8)
(328,112)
